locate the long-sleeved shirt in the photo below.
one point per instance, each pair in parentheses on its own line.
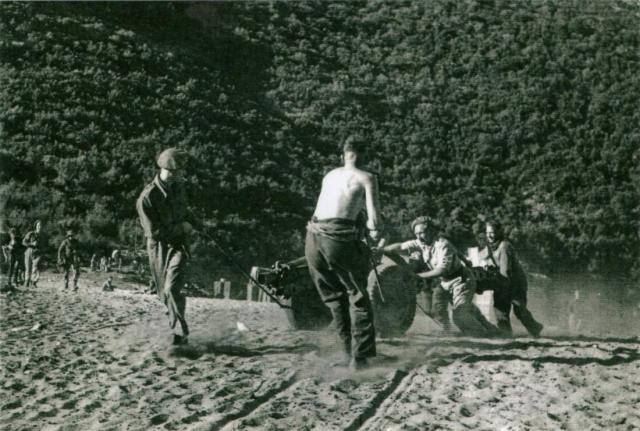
(162,209)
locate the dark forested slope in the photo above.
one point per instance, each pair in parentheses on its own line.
(526,110)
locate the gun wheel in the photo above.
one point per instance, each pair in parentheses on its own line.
(307,311)
(394,303)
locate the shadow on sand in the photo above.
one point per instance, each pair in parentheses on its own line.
(195,351)
(496,350)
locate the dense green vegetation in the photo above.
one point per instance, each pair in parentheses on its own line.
(524,110)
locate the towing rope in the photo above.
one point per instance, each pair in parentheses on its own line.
(235,263)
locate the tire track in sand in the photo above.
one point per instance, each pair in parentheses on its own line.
(398,382)
(331,402)
(218,421)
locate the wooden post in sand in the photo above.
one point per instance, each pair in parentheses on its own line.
(252,289)
(226,288)
(222,289)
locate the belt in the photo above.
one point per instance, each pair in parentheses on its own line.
(337,220)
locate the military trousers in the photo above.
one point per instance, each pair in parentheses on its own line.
(435,301)
(465,313)
(516,297)
(168,266)
(339,270)
(71,271)
(31,263)
(14,267)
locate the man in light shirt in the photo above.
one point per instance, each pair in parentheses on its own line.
(456,279)
(437,298)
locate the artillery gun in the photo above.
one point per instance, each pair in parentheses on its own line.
(392,287)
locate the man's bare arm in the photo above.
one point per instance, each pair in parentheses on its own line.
(395,248)
(436,272)
(372,201)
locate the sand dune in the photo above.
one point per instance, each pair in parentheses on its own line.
(99,360)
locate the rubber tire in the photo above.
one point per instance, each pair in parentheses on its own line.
(394,314)
(307,311)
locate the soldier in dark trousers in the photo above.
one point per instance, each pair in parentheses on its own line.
(338,259)
(499,252)
(14,250)
(68,259)
(167,223)
(35,243)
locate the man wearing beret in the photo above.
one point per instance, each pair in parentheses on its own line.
(167,223)
(68,259)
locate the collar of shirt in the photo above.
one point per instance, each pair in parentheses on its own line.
(162,186)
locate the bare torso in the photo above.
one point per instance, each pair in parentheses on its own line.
(342,194)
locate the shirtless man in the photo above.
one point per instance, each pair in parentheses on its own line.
(338,259)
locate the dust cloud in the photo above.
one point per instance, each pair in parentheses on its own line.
(578,305)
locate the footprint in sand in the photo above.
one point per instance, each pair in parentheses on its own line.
(48,411)
(69,404)
(159,419)
(15,404)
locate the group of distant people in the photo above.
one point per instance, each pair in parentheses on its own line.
(104,263)
(23,256)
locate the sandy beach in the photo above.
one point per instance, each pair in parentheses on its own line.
(93,360)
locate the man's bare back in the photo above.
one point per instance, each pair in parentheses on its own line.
(345,192)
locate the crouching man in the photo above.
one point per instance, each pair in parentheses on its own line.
(438,302)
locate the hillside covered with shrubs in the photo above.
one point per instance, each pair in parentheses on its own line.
(527,111)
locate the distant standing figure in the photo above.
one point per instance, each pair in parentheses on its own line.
(116,259)
(499,252)
(575,323)
(338,258)
(94,262)
(108,286)
(35,243)
(104,266)
(167,223)
(13,254)
(68,259)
